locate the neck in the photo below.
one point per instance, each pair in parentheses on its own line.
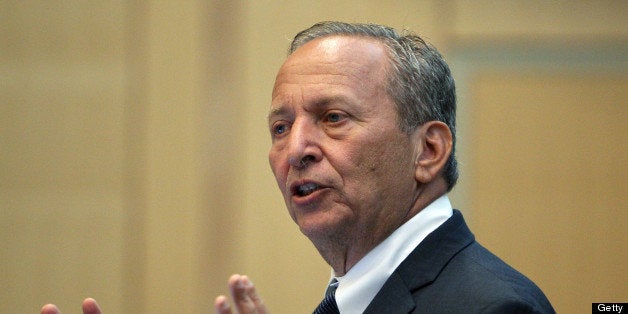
(342,254)
(343,250)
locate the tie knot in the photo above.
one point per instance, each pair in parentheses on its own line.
(328,305)
(331,289)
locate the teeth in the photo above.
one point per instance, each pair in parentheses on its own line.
(307,189)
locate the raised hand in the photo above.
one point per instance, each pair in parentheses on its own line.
(89,307)
(244,296)
(245,300)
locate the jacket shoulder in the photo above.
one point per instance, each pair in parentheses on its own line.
(477,281)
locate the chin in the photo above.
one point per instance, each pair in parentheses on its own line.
(317,226)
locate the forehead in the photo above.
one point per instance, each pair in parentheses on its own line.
(349,61)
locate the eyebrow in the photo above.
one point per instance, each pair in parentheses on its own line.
(277,111)
(326,101)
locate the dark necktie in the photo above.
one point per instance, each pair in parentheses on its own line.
(328,305)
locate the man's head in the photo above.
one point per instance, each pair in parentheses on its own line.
(349,165)
(420,81)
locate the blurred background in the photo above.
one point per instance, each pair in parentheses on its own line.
(133,147)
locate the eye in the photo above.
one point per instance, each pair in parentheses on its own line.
(334,117)
(279,128)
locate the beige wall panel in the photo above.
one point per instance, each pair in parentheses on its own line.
(179,213)
(530,20)
(548,190)
(61,154)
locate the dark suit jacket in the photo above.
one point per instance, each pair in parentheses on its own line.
(449,272)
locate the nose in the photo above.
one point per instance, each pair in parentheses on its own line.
(304,144)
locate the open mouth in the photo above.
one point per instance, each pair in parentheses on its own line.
(305,189)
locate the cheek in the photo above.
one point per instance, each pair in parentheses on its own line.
(385,162)
(360,169)
(377,153)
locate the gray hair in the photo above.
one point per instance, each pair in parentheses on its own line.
(420,84)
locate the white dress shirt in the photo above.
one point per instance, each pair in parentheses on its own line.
(361,283)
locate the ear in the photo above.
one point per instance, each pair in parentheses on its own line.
(434,145)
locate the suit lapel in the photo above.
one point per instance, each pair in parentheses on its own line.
(422,266)
(394,297)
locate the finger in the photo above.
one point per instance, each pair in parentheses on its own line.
(257,301)
(91,307)
(221,304)
(244,295)
(239,292)
(50,309)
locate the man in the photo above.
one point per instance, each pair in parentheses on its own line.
(362,122)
